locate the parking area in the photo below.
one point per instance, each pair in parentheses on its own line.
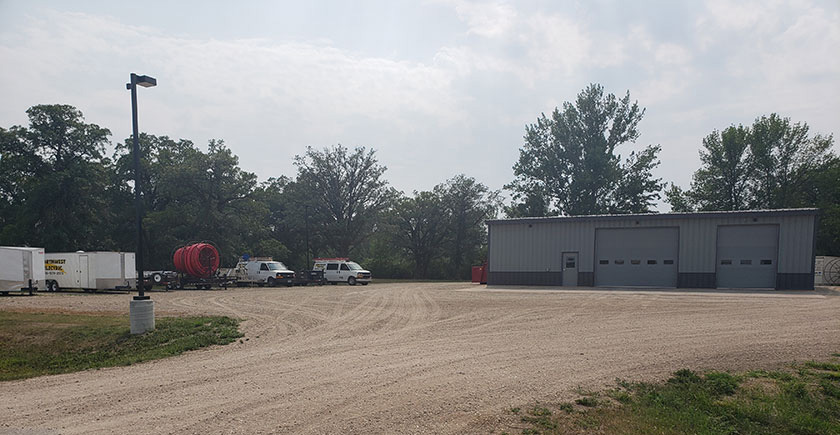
(410,357)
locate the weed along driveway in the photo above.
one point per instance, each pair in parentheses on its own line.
(409,358)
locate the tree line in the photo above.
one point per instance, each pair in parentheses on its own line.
(59,190)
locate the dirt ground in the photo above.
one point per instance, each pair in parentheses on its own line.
(410,358)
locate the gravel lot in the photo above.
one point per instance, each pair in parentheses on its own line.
(410,358)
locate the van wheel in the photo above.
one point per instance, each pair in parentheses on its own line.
(271,282)
(351,281)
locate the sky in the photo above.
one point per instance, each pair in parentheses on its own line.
(437,88)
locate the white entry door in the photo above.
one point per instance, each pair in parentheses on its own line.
(570,269)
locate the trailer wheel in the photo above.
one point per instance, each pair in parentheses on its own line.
(157,278)
(351,281)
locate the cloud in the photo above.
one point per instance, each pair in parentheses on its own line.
(492,20)
(494,68)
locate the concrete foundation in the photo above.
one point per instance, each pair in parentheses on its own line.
(141,316)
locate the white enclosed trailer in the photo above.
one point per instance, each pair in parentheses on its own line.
(90,271)
(20,269)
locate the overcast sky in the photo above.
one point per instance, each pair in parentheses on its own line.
(436,87)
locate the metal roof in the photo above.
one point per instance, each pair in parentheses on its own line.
(646,216)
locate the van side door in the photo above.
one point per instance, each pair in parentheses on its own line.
(331,274)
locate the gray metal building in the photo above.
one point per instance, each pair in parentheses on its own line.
(741,249)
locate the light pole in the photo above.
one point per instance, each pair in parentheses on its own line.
(141,311)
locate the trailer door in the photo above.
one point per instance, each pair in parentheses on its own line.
(84,274)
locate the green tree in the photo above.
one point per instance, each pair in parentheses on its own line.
(421,228)
(190,195)
(822,190)
(347,194)
(723,181)
(530,204)
(786,157)
(572,159)
(469,204)
(773,164)
(54,181)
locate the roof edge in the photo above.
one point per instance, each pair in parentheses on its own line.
(646,216)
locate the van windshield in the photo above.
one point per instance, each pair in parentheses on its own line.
(276,266)
(353,266)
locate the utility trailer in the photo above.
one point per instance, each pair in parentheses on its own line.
(21,269)
(90,271)
(182,281)
(307,277)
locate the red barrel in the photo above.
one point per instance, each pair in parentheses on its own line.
(200,260)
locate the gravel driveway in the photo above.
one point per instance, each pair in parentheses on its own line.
(409,358)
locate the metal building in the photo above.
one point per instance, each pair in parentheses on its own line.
(740,249)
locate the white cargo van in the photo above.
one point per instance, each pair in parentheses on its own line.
(90,271)
(263,271)
(338,270)
(20,269)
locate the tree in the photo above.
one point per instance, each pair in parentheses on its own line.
(54,181)
(679,199)
(773,164)
(469,204)
(571,159)
(785,158)
(421,228)
(190,195)
(347,193)
(531,204)
(723,180)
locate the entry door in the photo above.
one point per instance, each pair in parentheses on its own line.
(83,271)
(570,269)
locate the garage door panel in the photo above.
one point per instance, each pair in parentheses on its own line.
(747,256)
(636,257)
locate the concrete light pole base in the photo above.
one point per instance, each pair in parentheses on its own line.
(141,316)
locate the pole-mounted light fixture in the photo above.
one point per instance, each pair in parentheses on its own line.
(146,82)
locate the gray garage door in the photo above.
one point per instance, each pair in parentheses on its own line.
(746,256)
(636,257)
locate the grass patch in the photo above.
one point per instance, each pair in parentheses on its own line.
(804,399)
(35,344)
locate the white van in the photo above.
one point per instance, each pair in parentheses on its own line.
(263,271)
(338,270)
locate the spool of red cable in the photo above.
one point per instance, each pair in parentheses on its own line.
(200,260)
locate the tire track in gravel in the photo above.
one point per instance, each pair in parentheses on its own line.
(410,358)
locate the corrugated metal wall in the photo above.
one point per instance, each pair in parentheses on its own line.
(523,246)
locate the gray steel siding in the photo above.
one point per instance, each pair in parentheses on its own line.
(516,247)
